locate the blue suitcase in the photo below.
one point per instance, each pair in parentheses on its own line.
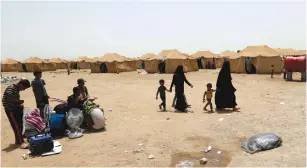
(40,144)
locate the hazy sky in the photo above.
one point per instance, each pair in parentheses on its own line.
(71,29)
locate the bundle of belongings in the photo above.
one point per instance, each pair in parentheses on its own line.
(95,114)
(72,122)
(63,122)
(36,131)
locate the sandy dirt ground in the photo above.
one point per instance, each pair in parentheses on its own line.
(136,128)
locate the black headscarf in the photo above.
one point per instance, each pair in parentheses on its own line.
(178,77)
(224,77)
(179,70)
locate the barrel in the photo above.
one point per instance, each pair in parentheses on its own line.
(295,64)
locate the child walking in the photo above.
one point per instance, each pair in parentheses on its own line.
(208,94)
(161,91)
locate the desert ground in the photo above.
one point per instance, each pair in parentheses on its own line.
(136,128)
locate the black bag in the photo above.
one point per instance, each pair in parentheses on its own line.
(40,144)
(61,109)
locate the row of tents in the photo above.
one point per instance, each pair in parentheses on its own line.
(252,59)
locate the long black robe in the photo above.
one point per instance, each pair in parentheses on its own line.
(178,81)
(225,92)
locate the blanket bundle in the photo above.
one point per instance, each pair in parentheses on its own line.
(35,120)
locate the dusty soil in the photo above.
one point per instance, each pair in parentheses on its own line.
(136,128)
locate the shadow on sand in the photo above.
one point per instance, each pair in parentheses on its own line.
(10,148)
(225,111)
(221,111)
(175,111)
(93,131)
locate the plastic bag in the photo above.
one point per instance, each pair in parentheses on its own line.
(26,112)
(98,119)
(74,118)
(185,163)
(261,142)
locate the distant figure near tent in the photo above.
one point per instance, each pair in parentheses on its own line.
(225,92)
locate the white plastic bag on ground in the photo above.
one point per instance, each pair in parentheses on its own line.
(74,119)
(98,118)
(185,163)
(74,135)
(261,142)
(26,112)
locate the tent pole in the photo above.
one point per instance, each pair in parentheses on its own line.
(116,67)
(238,65)
(257,64)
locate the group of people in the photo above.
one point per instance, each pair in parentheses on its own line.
(13,105)
(224,93)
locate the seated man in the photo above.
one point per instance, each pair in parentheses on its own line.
(76,100)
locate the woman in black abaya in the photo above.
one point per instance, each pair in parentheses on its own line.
(178,80)
(225,92)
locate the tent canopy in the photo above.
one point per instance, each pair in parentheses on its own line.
(35,59)
(111,57)
(255,51)
(148,56)
(285,51)
(206,54)
(228,53)
(94,59)
(83,59)
(301,52)
(10,61)
(128,59)
(57,60)
(171,54)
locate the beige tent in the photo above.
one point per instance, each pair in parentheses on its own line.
(290,52)
(227,55)
(207,56)
(11,65)
(287,52)
(237,64)
(36,64)
(82,62)
(131,62)
(59,63)
(152,63)
(111,63)
(141,61)
(168,60)
(301,52)
(94,59)
(263,57)
(193,62)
